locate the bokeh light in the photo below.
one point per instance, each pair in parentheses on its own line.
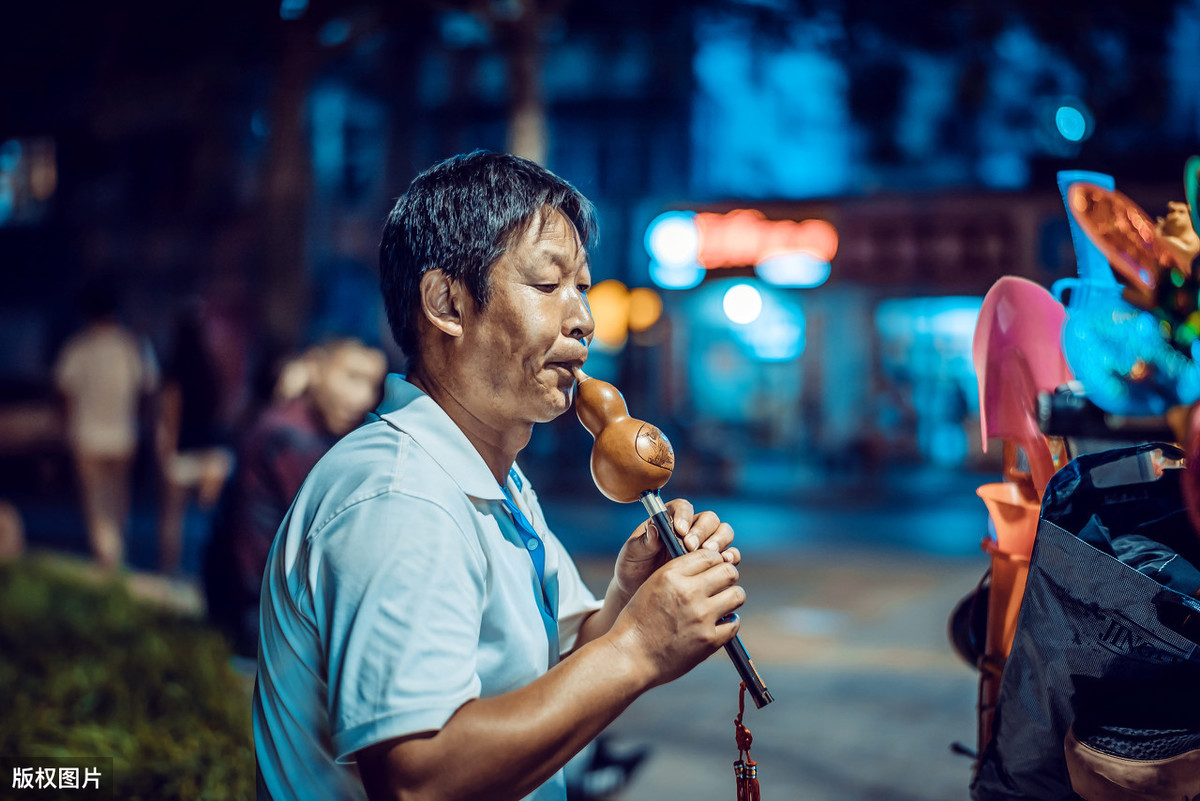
(673,244)
(795,269)
(672,238)
(610,309)
(292,9)
(1072,122)
(645,309)
(742,304)
(618,311)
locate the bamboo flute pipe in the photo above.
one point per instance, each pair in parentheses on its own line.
(632,460)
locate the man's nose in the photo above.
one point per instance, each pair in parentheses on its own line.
(579,323)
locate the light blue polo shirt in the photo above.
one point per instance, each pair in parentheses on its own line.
(397,589)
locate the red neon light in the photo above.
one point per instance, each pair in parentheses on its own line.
(745,238)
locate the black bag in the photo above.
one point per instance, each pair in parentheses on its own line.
(1107,628)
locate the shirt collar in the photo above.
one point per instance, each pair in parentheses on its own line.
(407,408)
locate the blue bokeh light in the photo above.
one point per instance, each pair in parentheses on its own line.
(10,155)
(334,32)
(672,238)
(292,9)
(674,247)
(676,276)
(1072,123)
(795,269)
(772,330)
(776,334)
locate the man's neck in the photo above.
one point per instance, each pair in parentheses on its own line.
(497,445)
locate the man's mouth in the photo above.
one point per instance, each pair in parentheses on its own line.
(565,371)
(571,364)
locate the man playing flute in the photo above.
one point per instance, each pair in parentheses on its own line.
(424,635)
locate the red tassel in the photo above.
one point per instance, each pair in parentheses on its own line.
(745,770)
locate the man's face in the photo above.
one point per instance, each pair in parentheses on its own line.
(345,385)
(520,348)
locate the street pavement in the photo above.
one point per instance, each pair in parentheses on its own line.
(868,695)
(850,583)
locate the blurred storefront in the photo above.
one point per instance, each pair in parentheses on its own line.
(253,164)
(831,334)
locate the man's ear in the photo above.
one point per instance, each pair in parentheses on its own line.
(442,302)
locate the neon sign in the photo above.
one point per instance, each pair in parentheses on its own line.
(682,245)
(745,237)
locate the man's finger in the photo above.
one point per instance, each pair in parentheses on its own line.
(697,562)
(720,538)
(703,525)
(681,512)
(718,577)
(728,600)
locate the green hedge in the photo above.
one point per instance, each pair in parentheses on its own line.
(90,671)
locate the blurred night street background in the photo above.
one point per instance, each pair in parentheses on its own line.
(231,163)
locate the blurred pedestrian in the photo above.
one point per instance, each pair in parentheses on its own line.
(103,374)
(193,447)
(320,396)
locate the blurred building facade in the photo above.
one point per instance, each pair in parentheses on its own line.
(246,154)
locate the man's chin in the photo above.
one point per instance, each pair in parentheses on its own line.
(558,402)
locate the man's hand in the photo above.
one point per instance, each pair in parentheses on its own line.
(680,615)
(644,552)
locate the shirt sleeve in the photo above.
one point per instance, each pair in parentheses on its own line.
(398,594)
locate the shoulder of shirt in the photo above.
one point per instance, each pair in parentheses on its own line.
(375,463)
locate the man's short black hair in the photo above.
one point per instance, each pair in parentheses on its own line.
(460,216)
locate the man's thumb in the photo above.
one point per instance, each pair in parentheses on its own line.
(651,537)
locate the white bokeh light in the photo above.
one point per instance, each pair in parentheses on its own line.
(742,304)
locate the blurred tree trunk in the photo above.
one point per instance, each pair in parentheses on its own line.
(286,188)
(521,37)
(519,27)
